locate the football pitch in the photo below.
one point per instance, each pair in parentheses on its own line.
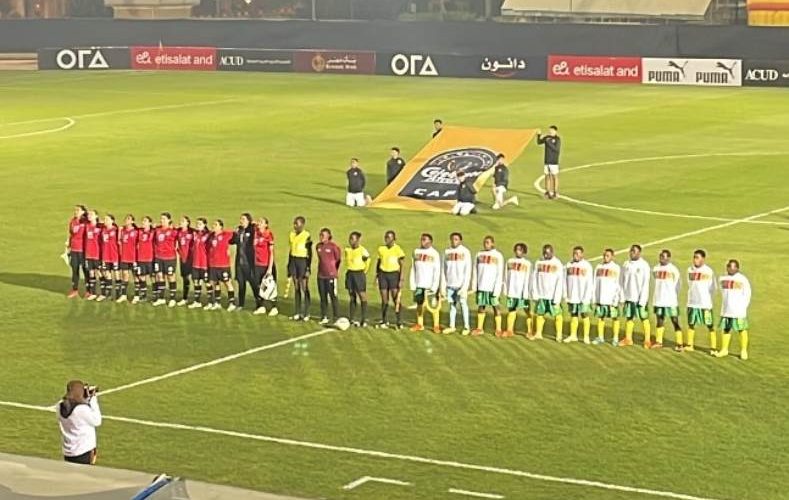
(292,408)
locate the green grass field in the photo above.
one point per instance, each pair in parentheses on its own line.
(277,145)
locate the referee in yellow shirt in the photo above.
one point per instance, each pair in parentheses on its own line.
(357,261)
(299,263)
(389,273)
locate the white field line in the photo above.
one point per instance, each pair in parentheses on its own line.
(70,122)
(129,111)
(215,362)
(371,479)
(382,454)
(474,493)
(538,183)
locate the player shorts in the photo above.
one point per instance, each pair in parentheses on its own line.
(164,266)
(93,264)
(578,309)
(736,325)
(389,280)
(143,269)
(262,271)
(420,294)
(355,199)
(356,282)
(297,267)
(127,266)
(485,299)
(634,310)
(185,268)
(455,296)
(199,274)
(462,208)
(219,274)
(545,307)
(551,169)
(665,312)
(697,316)
(513,304)
(604,311)
(109,266)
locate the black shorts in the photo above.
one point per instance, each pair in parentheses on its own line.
(261,271)
(110,266)
(297,267)
(87,458)
(356,281)
(219,274)
(143,269)
(164,266)
(199,274)
(389,280)
(76,259)
(92,264)
(186,269)
(127,266)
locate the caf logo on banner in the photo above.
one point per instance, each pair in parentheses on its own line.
(436,179)
(81,59)
(318,63)
(413,65)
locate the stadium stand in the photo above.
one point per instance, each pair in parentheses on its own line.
(768,12)
(616,11)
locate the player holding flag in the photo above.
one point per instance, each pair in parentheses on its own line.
(578,293)
(456,281)
(665,299)
(547,288)
(635,290)
(490,280)
(736,297)
(517,279)
(701,286)
(425,281)
(607,296)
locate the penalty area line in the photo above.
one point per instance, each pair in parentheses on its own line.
(383,454)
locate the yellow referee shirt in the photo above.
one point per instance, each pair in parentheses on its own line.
(357,259)
(298,243)
(390,258)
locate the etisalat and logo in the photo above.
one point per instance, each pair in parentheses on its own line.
(437,179)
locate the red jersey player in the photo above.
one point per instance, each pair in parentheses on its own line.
(144,269)
(75,246)
(219,266)
(92,253)
(109,258)
(200,240)
(128,246)
(264,264)
(164,243)
(185,242)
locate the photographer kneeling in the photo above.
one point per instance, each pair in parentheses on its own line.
(79,415)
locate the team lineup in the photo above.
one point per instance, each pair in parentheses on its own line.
(110,258)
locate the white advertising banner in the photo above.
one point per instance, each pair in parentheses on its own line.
(681,71)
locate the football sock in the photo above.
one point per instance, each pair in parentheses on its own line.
(436,318)
(617,326)
(690,336)
(629,325)
(231,297)
(384,311)
(297,299)
(743,340)
(497,322)
(530,324)
(398,316)
(453,312)
(481,321)
(464,310)
(587,328)
(352,307)
(559,321)
(678,337)
(647,331)
(306,302)
(143,290)
(198,291)
(186,289)
(659,334)
(574,326)
(173,289)
(420,319)
(540,325)
(334,306)
(713,340)
(600,328)
(212,295)
(726,342)
(209,289)
(511,321)
(123,288)
(364,311)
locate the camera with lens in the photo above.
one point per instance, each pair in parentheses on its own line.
(90,391)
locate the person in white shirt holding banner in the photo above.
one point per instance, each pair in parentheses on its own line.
(665,299)
(701,287)
(578,294)
(635,291)
(425,281)
(456,281)
(547,289)
(736,297)
(517,279)
(490,280)
(607,296)
(78,416)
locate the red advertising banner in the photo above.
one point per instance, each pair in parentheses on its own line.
(334,61)
(174,58)
(594,69)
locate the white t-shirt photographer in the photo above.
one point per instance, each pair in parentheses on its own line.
(78,422)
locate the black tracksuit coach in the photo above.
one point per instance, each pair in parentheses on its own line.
(244,239)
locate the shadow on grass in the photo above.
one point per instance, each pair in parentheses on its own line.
(45,282)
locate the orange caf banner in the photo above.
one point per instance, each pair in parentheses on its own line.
(427,181)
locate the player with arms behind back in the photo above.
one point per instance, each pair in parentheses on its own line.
(357,263)
(547,289)
(635,290)
(490,280)
(200,243)
(109,259)
(607,296)
(299,264)
(143,271)
(701,287)
(185,256)
(517,281)
(425,281)
(93,253)
(456,281)
(665,299)
(736,297)
(164,252)
(389,274)
(578,293)
(128,254)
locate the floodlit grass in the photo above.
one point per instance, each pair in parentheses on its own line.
(278,145)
